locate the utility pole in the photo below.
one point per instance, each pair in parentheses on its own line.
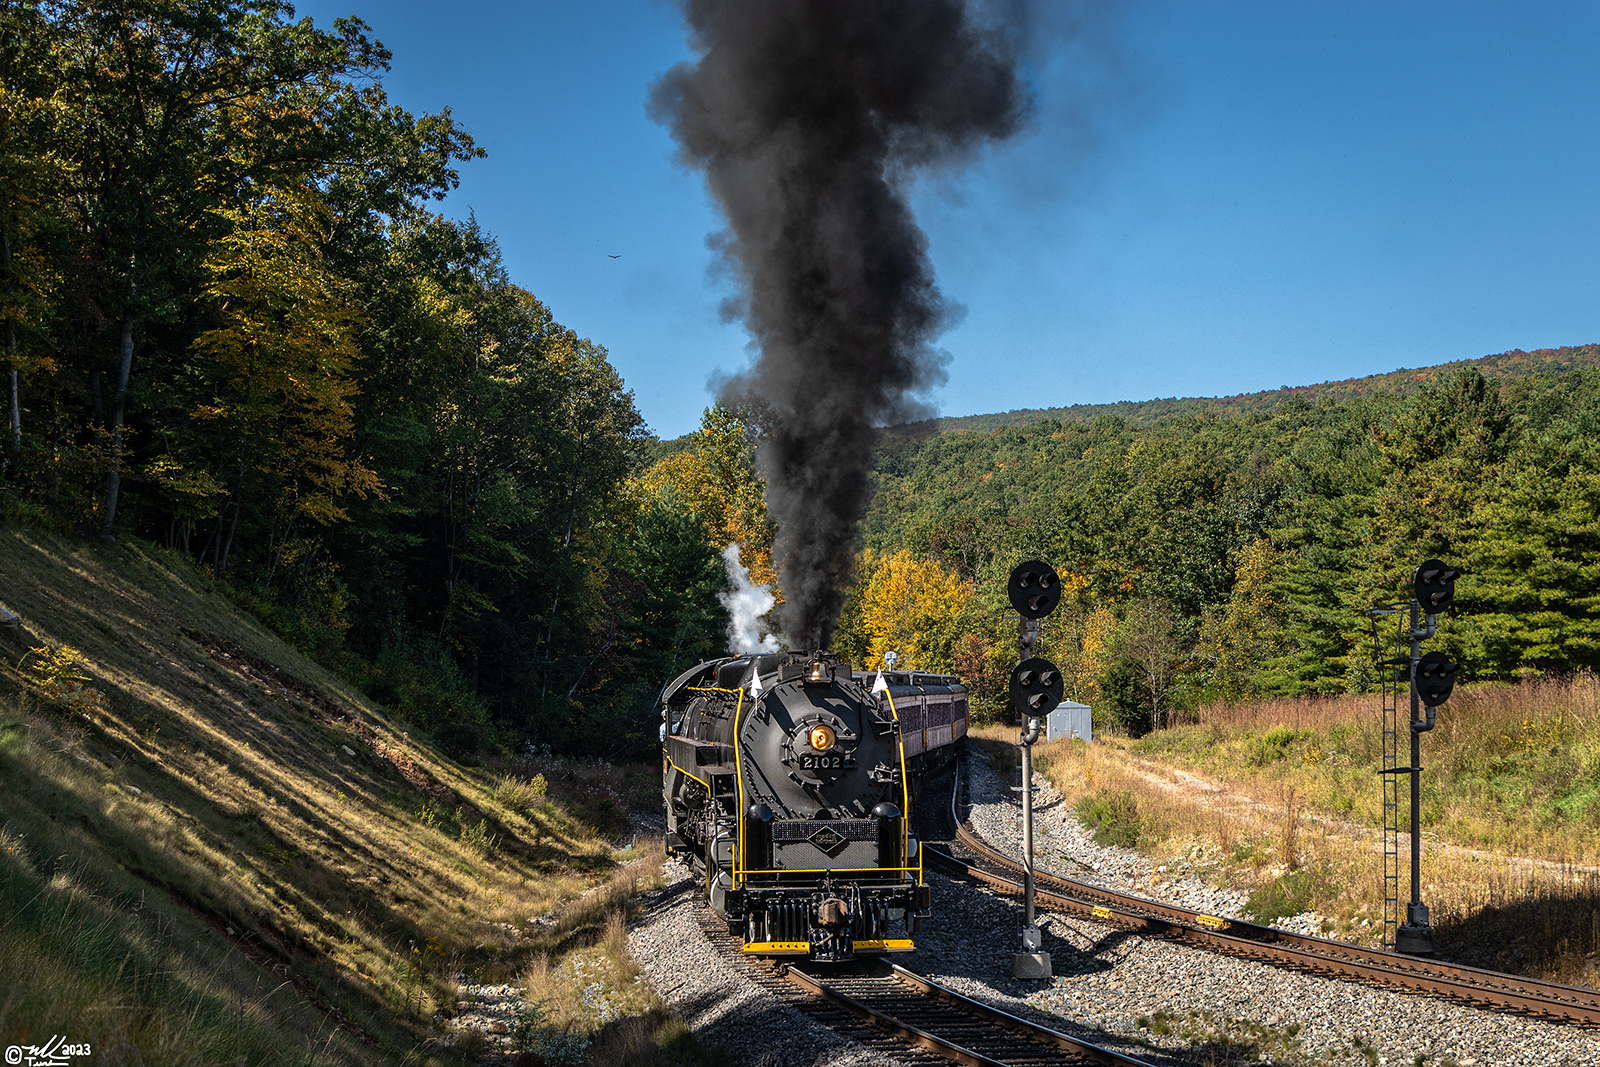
(1036,689)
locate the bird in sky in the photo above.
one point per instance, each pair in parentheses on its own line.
(610,256)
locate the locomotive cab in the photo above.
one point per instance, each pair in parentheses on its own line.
(788,784)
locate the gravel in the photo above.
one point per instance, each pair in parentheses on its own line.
(720,1004)
(1216,1009)
(1107,980)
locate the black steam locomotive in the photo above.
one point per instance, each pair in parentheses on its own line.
(789,780)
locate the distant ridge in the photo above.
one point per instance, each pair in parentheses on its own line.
(1513,364)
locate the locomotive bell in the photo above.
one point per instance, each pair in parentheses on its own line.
(818,673)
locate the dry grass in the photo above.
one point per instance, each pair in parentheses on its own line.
(585,986)
(598,792)
(235,821)
(1281,793)
(647,1040)
(1513,769)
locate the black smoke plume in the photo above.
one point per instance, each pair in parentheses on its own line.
(810,118)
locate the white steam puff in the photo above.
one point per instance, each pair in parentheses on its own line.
(746,603)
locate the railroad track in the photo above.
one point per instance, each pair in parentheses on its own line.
(893,1010)
(1235,937)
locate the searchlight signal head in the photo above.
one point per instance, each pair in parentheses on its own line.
(1434,586)
(1035,589)
(1036,688)
(1434,676)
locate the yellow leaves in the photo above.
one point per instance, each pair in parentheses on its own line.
(913,607)
(1241,634)
(182,481)
(714,481)
(689,477)
(1072,584)
(283,348)
(56,674)
(1099,629)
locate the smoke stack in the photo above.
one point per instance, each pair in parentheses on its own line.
(810,119)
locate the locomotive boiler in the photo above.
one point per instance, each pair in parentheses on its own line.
(790,782)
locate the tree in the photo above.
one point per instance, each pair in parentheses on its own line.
(913,607)
(1154,640)
(1529,593)
(169,109)
(1126,691)
(716,480)
(279,360)
(28,174)
(1238,639)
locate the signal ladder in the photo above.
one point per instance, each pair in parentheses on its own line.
(1392,735)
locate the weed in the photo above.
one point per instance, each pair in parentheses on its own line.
(1113,815)
(56,674)
(1225,837)
(651,1039)
(478,838)
(1273,745)
(515,794)
(420,966)
(1290,895)
(278,854)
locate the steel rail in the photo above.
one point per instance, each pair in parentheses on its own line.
(913,1013)
(911,998)
(888,1023)
(1005,1019)
(1299,951)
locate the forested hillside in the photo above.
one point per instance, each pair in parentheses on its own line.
(1404,382)
(1217,557)
(233,326)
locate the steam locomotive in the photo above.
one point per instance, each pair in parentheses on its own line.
(790,782)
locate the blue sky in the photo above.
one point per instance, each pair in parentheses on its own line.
(1238,196)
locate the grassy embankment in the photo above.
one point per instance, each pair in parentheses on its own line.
(213,851)
(1280,797)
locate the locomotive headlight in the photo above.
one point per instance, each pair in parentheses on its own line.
(821,738)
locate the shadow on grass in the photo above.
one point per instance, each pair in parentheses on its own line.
(1545,931)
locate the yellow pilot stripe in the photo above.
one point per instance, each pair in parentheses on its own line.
(905,789)
(738,847)
(696,777)
(889,945)
(1211,921)
(1102,912)
(738,811)
(777,946)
